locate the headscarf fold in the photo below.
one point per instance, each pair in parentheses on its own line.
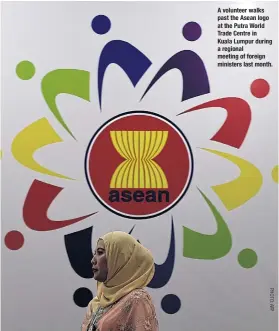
(130,267)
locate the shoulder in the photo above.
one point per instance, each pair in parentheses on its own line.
(138,300)
(141,311)
(134,312)
(139,295)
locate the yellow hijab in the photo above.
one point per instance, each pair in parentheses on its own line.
(130,267)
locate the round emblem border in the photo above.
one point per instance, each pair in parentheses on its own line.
(161,212)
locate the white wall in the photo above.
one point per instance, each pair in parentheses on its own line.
(37,280)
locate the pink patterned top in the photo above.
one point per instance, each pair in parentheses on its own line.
(134,312)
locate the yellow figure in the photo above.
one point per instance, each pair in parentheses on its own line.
(139,170)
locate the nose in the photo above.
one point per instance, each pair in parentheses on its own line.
(93,261)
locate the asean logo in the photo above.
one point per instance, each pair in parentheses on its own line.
(139,165)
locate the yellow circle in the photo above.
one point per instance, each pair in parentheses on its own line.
(274,174)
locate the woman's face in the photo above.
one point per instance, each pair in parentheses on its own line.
(99,262)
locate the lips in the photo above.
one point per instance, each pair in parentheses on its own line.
(94,270)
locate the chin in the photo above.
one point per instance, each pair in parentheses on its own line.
(97,278)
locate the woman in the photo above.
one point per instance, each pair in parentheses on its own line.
(122,268)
